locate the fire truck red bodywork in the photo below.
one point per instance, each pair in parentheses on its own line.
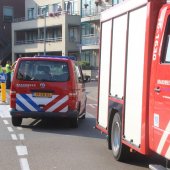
(136,65)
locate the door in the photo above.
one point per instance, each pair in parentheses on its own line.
(161,92)
(81,89)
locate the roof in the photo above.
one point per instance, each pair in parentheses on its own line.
(60,57)
(49,57)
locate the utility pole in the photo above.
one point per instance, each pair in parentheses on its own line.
(45,31)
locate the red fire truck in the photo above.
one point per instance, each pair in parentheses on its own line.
(134,78)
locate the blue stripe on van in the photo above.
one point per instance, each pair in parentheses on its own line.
(19,103)
(30,101)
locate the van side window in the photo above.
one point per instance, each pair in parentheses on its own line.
(78,74)
(166,45)
(25,71)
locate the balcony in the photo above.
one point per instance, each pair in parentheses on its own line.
(34,41)
(51,19)
(37,45)
(89,14)
(90,42)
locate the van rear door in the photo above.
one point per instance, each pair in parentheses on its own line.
(42,85)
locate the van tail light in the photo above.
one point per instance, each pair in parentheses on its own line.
(12,99)
(73,100)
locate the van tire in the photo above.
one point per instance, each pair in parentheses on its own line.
(119,150)
(16,121)
(74,122)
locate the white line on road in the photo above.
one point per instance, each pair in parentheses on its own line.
(24,164)
(6,122)
(92,106)
(21,136)
(19,128)
(21,150)
(10,129)
(14,137)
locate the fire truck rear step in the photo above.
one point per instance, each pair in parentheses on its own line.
(157,167)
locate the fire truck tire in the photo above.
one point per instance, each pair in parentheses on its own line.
(119,150)
(16,121)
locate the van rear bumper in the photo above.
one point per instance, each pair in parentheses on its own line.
(23,114)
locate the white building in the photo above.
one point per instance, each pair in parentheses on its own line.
(90,29)
(48,27)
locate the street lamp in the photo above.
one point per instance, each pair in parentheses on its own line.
(45,31)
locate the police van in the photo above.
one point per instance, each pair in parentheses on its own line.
(47,86)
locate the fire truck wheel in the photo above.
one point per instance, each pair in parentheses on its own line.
(119,150)
(16,121)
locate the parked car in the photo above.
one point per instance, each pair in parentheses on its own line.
(47,86)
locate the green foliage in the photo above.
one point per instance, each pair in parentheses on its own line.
(85,65)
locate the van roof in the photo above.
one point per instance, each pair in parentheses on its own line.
(50,57)
(60,57)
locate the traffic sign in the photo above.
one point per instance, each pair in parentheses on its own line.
(2,77)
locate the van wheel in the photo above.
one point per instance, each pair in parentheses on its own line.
(120,151)
(16,121)
(74,122)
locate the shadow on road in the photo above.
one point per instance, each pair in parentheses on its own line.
(85,129)
(62,126)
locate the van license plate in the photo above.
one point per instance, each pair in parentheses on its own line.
(42,94)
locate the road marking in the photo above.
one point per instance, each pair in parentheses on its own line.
(24,164)
(19,128)
(10,129)
(90,115)
(6,122)
(21,150)
(92,105)
(21,136)
(4,111)
(14,137)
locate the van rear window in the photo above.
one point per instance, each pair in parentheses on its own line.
(52,71)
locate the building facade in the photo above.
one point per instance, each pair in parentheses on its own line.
(60,27)
(48,28)
(90,29)
(8,11)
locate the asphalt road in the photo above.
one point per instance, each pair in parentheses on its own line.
(52,144)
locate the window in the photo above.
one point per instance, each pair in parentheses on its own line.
(88,28)
(86,55)
(7,14)
(73,32)
(31,13)
(31,36)
(43,10)
(56,7)
(71,7)
(78,74)
(166,45)
(117,1)
(43,71)
(167,52)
